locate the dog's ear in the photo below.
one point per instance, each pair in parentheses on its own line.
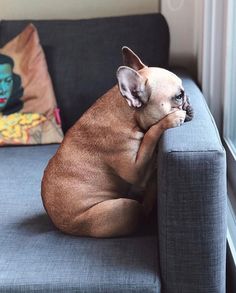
(131,60)
(133,86)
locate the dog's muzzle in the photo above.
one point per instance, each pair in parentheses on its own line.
(188,108)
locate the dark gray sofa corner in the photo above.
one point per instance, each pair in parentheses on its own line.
(192,203)
(186,252)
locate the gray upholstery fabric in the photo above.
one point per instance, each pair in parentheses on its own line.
(192,203)
(36,257)
(83,55)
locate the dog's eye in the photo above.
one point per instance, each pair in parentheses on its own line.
(180,96)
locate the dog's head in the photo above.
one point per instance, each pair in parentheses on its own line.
(155,92)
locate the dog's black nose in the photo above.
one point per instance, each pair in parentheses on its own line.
(189,110)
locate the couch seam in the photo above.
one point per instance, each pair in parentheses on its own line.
(222,151)
(75,287)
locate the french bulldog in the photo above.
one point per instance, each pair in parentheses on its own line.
(111,148)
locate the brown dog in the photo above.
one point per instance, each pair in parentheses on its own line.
(111,148)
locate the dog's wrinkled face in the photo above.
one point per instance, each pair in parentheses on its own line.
(154,92)
(166,93)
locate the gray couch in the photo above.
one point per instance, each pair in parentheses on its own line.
(182,249)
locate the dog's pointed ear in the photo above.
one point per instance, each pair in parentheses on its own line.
(131,60)
(133,86)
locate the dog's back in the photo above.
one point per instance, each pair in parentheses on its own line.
(85,169)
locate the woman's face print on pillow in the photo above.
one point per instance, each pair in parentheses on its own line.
(11,89)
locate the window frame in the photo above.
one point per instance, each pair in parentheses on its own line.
(214,79)
(230,63)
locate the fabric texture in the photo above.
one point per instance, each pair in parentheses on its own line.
(83,55)
(192,203)
(28,110)
(36,257)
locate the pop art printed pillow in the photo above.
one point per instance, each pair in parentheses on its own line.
(28,110)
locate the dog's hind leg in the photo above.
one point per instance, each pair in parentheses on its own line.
(110,218)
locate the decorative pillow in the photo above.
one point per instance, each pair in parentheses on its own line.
(28,110)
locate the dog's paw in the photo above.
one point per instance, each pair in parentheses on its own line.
(174,119)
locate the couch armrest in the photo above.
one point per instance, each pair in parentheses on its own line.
(192,203)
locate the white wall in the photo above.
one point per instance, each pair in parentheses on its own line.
(185,21)
(183,17)
(73,9)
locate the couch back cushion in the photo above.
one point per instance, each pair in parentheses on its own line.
(83,55)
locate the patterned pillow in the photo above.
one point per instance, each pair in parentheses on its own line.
(28,110)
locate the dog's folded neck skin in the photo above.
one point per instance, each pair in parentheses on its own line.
(110,118)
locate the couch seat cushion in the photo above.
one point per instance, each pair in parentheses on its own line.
(36,257)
